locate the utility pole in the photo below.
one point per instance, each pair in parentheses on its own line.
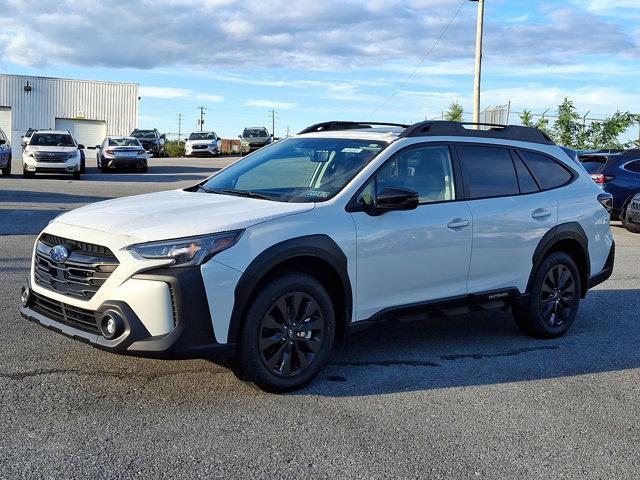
(478,68)
(273,122)
(179,126)
(201,122)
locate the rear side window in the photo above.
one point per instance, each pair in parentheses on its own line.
(525,179)
(548,172)
(633,166)
(488,171)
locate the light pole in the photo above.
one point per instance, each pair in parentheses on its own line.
(478,68)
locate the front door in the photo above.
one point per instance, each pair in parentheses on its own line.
(406,257)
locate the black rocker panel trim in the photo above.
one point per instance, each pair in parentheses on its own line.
(565,231)
(318,246)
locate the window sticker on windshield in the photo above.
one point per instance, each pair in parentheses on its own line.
(317,194)
(351,150)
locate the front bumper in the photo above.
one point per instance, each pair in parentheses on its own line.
(192,334)
(209,151)
(30,164)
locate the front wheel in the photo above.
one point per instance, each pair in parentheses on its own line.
(76,175)
(83,167)
(6,171)
(626,223)
(288,333)
(554,298)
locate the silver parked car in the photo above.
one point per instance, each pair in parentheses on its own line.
(121,152)
(256,137)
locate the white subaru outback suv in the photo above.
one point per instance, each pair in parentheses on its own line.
(275,257)
(52,151)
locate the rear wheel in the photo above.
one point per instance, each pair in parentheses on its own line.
(554,298)
(287,334)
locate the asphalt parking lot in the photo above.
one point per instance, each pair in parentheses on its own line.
(461,397)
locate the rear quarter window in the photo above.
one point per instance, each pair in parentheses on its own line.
(633,166)
(548,172)
(488,171)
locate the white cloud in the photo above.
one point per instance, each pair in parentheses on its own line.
(601,5)
(205,97)
(164,92)
(270,104)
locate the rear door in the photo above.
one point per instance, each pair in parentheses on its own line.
(510,212)
(407,257)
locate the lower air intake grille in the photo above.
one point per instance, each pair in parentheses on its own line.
(67,314)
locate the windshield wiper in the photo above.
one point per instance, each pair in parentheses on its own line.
(237,193)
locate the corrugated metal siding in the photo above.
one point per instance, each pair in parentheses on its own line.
(51,98)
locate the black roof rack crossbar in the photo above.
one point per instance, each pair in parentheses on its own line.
(507,132)
(346,125)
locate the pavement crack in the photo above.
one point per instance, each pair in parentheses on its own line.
(508,353)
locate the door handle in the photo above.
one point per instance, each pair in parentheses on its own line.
(541,213)
(458,223)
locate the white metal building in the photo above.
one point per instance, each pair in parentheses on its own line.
(89,109)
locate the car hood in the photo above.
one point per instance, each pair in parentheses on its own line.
(49,148)
(177,213)
(200,142)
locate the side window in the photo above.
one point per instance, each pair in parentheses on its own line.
(525,179)
(427,170)
(488,171)
(633,166)
(549,173)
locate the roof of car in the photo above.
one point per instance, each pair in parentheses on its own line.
(120,137)
(56,132)
(432,128)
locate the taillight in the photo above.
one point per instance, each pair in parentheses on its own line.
(606,200)
(600,178)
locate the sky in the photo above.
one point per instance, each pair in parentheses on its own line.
(312,61)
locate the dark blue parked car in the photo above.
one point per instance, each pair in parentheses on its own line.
(616,173)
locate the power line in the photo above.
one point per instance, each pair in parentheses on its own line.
(424,58)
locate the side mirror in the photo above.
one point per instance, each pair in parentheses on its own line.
(397,198)
(81,146)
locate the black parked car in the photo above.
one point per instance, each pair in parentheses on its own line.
(152,141)
(618,174)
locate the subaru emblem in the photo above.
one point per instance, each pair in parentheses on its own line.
(59,254)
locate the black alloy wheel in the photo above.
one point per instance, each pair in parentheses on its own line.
(558,296)
(291,334)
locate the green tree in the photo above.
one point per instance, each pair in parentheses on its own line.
(526,117)
(454,114)
(605,134)
(566,128)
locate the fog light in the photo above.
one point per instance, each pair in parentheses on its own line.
(71,169)
(111,325)
(31,168)
(25,296)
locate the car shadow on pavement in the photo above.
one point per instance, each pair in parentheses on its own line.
(483,348)
(32,196)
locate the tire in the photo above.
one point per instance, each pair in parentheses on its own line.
(631,227)
(6,171)
(144,169)
(270,335)
(76,175)
(26,174)
(554,298)
(83,166)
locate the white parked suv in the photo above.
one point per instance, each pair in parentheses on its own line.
(202,143)
(52,151)
(275,257)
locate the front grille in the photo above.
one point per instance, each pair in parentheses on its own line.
(51,156)
(199,147)
(61,312)
(81,275)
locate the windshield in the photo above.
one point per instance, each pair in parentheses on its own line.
(144,134)
(124,142)
(255,132)
(203,136)
(297,169)
(51,140)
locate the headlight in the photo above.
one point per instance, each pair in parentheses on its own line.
(188,252)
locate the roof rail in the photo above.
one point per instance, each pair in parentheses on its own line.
(507,132)
(346,125)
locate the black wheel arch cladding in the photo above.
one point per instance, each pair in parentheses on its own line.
(312,247)
(558,238)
